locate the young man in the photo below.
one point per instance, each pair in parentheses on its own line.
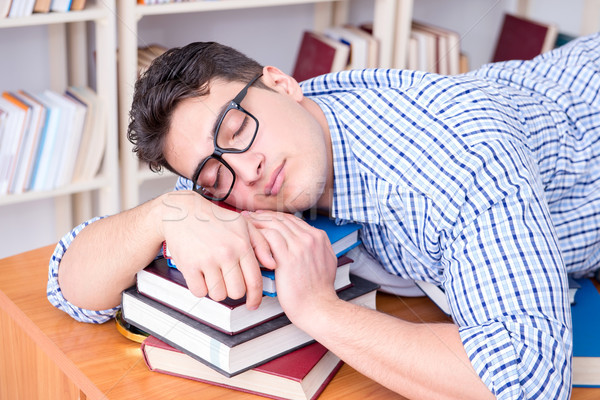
(486,184)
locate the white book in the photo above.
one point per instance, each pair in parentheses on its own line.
(60,5)
(34,149)
(70,131)
(359,46)
(93,140)
(47,162)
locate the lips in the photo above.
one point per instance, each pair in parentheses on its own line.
(276,181)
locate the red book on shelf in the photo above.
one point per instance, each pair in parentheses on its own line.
(319,55)
(301,374)
(523,39)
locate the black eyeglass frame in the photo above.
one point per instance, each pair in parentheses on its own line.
(219,151)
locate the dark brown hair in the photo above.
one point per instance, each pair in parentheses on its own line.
(178,74)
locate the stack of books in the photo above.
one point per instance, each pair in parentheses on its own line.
(226,344)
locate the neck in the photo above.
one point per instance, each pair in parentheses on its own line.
(325,201)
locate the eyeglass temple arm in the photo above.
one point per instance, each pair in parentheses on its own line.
(238,99)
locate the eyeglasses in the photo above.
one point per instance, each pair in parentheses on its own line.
(235,133)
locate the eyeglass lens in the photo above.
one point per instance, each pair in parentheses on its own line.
(236,132)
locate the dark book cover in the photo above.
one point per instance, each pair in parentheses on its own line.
(523,39)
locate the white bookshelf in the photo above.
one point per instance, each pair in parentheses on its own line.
(68,65)
(326,13)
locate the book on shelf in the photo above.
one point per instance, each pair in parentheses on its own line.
(21,8)
(41,178)
(446,47)
(60,5)
(42,6)
(300,375)
(438,296)
(522,38)
(358,43)
(71,124)
(147,54)
(167,286)
(228,354)
(343,238)
(318,55)
(373,45)
(93,139)
(563,38)
(15,138)
(36,115)
(77,5)
(585,315)
(4,8)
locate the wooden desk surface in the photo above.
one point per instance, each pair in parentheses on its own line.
(49,355)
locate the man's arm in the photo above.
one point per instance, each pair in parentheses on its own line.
(212,247)
(416,360)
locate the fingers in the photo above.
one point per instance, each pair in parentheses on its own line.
(252,280)
(261,247)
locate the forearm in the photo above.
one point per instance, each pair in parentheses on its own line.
(104,257)
(419,361)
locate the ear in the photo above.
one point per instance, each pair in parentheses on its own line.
(281,82)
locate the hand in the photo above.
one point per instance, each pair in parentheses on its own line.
(306,263)
(217,251)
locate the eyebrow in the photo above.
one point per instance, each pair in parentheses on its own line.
(219,117)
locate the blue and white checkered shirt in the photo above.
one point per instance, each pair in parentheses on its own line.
(485,184)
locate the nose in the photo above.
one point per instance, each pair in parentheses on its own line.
(248,166)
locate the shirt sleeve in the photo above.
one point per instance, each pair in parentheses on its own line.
(54,292)
(506,281)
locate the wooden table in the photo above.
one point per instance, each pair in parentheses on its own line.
(45,354)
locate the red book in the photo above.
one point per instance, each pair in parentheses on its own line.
(523,39)
(301,374)
(319,55)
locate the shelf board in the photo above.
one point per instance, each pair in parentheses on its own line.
(91,13)
(215,5)
(97,183)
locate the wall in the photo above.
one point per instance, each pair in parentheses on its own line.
(270,35)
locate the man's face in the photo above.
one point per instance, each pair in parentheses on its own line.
(288,166)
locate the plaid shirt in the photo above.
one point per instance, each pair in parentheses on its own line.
(485,184)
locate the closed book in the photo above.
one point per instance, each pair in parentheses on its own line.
(4,8)
(28,148)
(42,6)
(299,375)
(318,55)
(343,238)
(16,120)
(228,354)
(93,139)
(77,5)
(585,314)
(359,45)
(167,286)
(19,138)
(73,114)
(522,39)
